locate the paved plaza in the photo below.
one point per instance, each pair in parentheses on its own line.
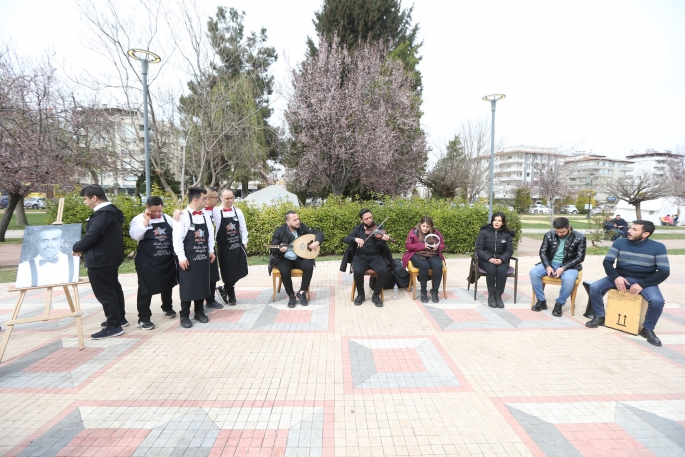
(334,379)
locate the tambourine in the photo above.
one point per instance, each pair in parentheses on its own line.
(432,241)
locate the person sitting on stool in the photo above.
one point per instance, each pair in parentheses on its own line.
(494,248)
(641,265)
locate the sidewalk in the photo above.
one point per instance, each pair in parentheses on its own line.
(334,379)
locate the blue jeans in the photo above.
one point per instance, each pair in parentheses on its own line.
(652,294)
(568,280)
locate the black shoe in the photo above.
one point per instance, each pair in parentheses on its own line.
(498,299)
(434,296)
(222,295)
(492,301)
(539,305)
(302,295)
(590,314)
(424,296)
(185,322)
(124,323)
(201,317)
(360,299)
(292,301)
(376,299)
(595,322)
(107,332)
(170,314)
(231,299)
(146,325)
(214,305)
(557,309)
(651,337)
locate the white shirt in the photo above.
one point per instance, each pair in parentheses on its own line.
(183,225)
(101,205)
(137,230)
(219,213)
(48,273)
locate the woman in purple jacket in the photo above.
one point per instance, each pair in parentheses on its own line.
(424,248)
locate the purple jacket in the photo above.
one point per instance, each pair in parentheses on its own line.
(413,246)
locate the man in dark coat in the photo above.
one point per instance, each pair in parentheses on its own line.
(286,260)
(103,250)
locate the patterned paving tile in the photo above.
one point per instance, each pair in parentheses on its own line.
(399,365)
(673,346)
(128,429)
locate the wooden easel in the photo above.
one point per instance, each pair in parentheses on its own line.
(74,303)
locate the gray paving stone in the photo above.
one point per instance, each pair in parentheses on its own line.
(548,438)
(49,444)
(663,437)
(362,363)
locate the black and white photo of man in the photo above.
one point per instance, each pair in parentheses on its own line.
(45,260)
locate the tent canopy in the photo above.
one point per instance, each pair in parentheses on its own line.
(272,195)
(652,210)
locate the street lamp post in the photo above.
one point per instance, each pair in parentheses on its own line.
(146,58)
(589,197)
(493,99)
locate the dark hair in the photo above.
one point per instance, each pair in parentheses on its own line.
(210,188)
(647,226)
(154,201)
(363,211)
(287,215)
(93,190)
(504,220)
(428,220)
(195,192)
(560,222)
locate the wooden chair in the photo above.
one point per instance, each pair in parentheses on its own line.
(557,282)
(414,273)
(477,272)
(369,272)
(295,273)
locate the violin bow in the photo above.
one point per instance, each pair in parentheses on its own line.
(376,229)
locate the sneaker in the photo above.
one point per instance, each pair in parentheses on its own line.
(302,295)
(359,300)
(434,296)
(185,322)
(146,325)
(223,296)
(557,310)
(123,324)
(214,305)
(231,300)
(292,301)
(424,296)
(170,314)
(201,318)
(376,299)
(107,332)
(540,305)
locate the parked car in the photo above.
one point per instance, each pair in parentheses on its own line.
(603,209)
(538,209)
(569,209)
(4,201)
(35,203)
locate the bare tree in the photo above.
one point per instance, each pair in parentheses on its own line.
(640,188)
(552,179)
(676,174)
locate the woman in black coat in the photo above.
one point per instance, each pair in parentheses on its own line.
(494,248)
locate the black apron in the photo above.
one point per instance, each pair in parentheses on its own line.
(194,281)
(213,267)
(155,260)
(232,257)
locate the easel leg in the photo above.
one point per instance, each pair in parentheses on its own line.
(76,307)
(10,326)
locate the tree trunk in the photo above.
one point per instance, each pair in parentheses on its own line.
(638,211)
(551,211)
(14,199)
(244,189)
(21,214)
(94,176)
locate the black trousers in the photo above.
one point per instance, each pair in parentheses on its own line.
(185,307)
(286,266)
(496,275)
(107,289)
(144,301)
(212,290)
(362,263)
(433,263)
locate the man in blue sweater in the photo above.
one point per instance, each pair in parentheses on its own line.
(641,265)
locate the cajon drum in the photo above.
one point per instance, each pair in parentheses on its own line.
(625,312)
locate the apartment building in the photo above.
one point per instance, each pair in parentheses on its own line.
(515,167)
(652,161)
(596,171)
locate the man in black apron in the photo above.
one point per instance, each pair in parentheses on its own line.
(231,239)
(155,260)
(194,246)
(208,210)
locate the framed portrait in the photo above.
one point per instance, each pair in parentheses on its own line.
(46,258)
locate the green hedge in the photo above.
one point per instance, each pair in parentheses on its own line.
(458,223)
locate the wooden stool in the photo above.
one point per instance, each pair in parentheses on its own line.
(369,272)
(295,273)
(557,282)
(414,273)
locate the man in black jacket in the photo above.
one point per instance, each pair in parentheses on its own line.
(103,250)
(285,259)
(562,254)
(369,253)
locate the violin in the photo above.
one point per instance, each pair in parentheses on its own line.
(377,233)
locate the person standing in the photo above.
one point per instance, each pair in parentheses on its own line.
(425,256)
(194,246)
(208,211)
(641,265)
(102,247)
(285,259)
(155,260)
(494,248)
(231,241)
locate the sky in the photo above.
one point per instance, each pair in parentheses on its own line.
(599,76)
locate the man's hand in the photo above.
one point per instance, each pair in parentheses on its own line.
(635,289)
(550,271)
(283,248)
(559,271)
(621,283)
(146,219)
(360,242)
(212,257)
(385,237)
(184,264)
(245,246)
(314,245)
(177,216)
(77,254)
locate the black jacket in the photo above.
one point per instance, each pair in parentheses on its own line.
(497,244)
(283,235)
(574,249)
(351,250)
(103,243)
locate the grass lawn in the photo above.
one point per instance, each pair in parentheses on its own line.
(33,218)
(13,240)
